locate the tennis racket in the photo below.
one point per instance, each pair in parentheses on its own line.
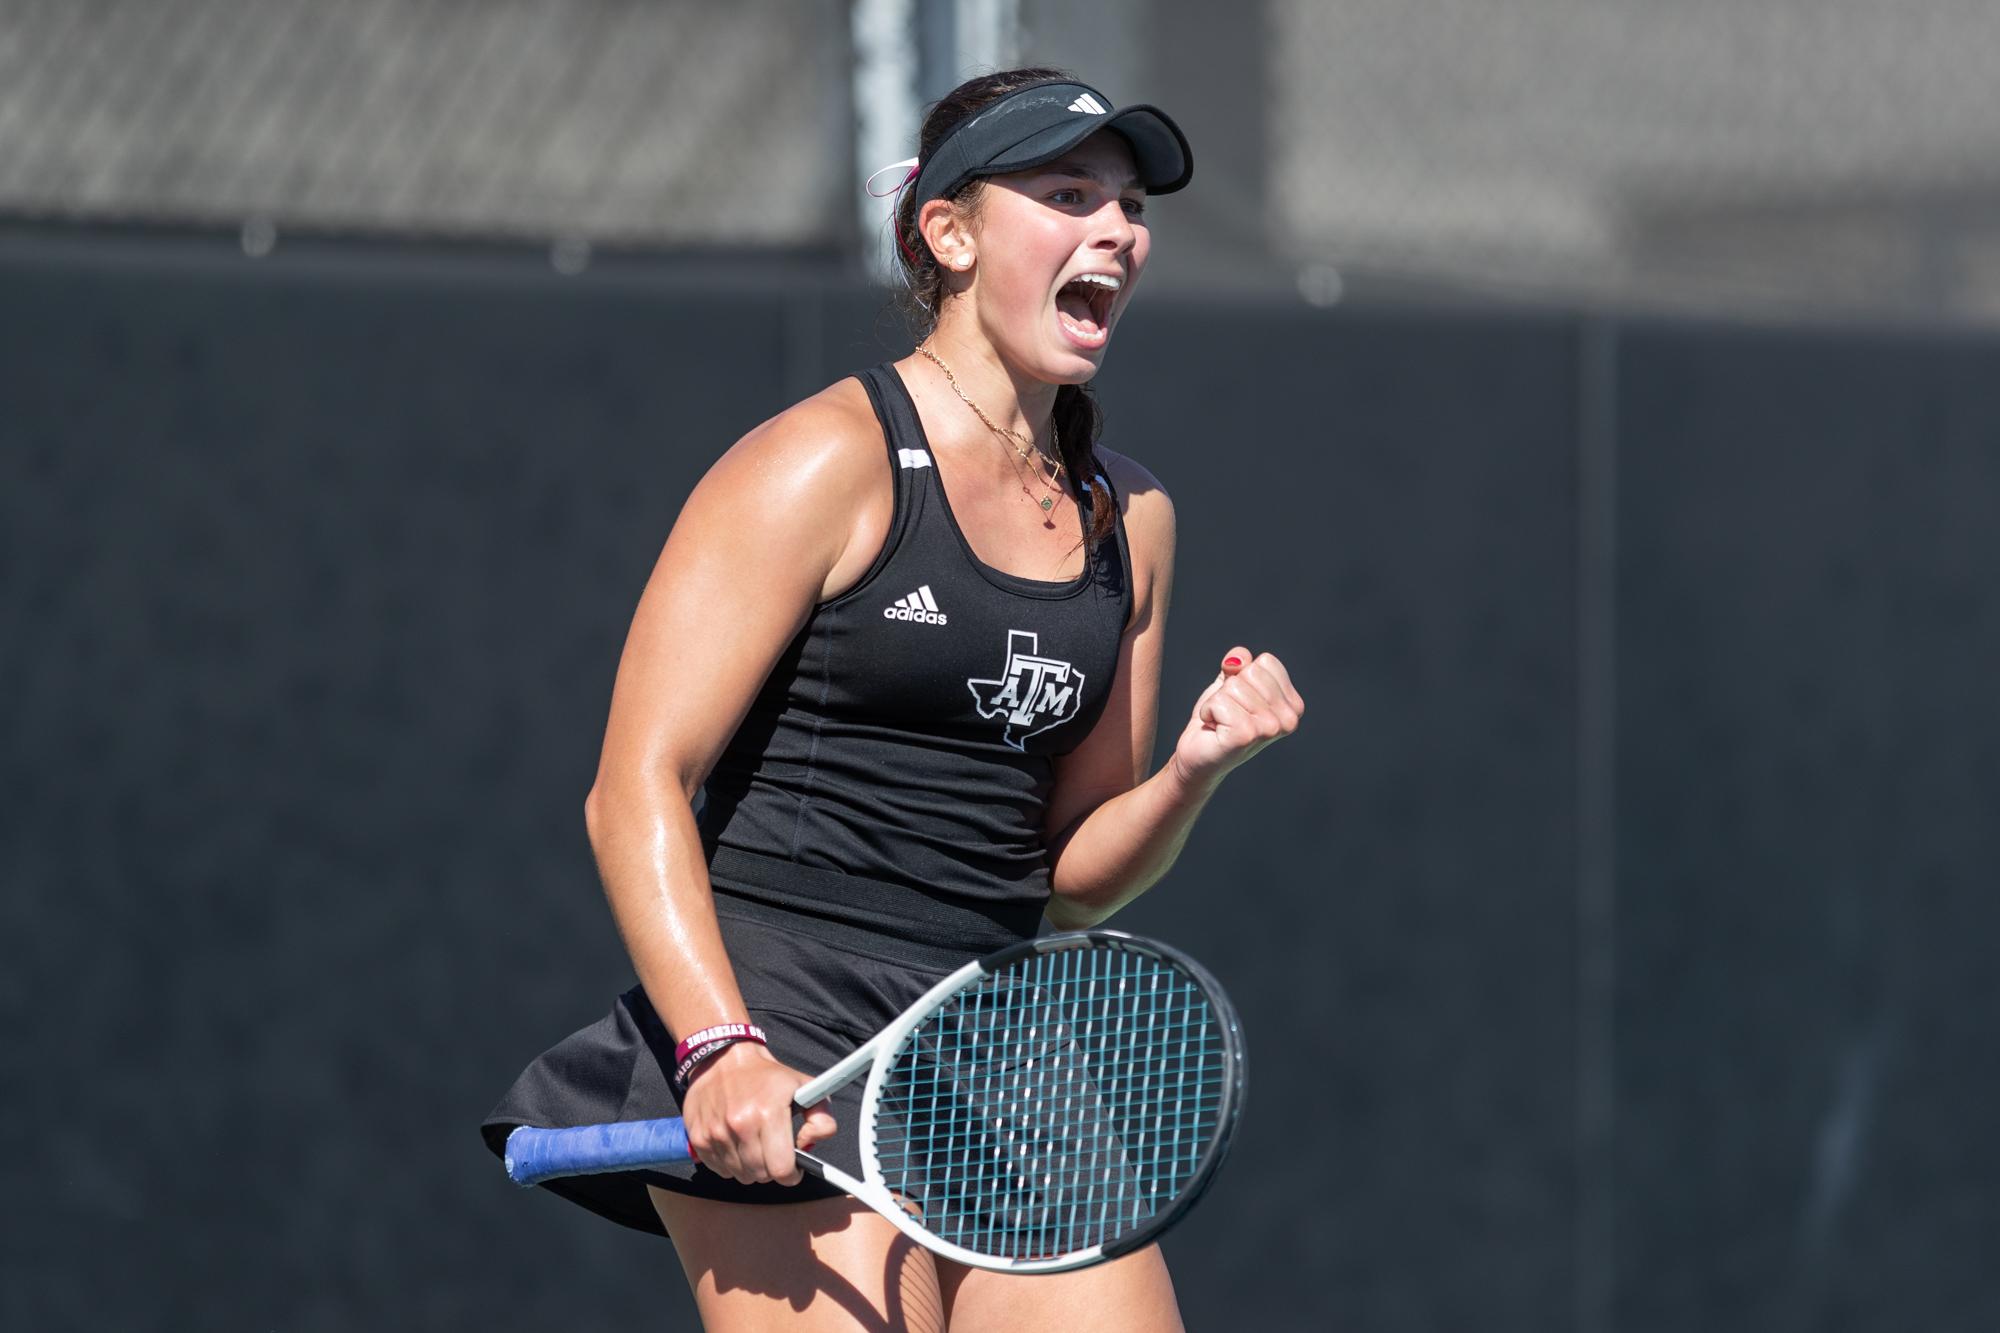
(1051,1106)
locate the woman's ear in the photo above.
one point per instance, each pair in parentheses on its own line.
(943,227)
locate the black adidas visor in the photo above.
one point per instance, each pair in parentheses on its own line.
(1040,123)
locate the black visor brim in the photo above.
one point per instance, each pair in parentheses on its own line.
(1160,153)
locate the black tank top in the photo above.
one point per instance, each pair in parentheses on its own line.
(894,771)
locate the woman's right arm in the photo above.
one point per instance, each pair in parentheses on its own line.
(794,513)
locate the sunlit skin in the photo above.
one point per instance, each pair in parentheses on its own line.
(794,514)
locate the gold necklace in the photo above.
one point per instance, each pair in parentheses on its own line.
(1023,445)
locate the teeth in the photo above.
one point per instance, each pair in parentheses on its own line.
(1103,280)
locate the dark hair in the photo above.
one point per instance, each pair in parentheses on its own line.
(1077,418)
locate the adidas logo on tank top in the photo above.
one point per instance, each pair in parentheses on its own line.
(919,606)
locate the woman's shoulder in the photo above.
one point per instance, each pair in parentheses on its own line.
(1129,477)
(1149,525)
(817,452)
(835,428)
(1148,509)
(809,489)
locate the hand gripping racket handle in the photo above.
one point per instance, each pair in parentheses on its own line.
(535,1155)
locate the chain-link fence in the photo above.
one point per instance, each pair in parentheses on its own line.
(662,122)
(1728,155)
(1784,154)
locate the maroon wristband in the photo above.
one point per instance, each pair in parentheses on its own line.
(700,1045)
(734,1031)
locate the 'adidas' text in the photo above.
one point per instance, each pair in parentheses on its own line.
(919,606)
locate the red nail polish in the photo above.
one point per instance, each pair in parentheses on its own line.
(1232,661)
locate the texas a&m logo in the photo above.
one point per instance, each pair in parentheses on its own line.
(1033,693)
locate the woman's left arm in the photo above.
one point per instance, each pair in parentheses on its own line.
(1113,831)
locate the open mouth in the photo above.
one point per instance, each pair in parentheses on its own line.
(1083,307)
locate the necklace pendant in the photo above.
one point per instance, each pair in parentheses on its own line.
(1048,503)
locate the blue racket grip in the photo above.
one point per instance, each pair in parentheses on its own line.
(535,1155)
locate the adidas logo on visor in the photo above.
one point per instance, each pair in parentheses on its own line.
(1088,105)
(919,606)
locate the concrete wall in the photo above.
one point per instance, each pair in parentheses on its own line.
(313,574)
(1809,734)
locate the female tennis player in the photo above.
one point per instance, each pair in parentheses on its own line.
(907,635)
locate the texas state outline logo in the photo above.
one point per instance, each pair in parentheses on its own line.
(1033,693)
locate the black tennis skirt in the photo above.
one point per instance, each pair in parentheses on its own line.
(818,988)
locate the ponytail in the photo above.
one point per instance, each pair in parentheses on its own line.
(1078,421)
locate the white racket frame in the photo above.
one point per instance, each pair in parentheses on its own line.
(877,1055)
